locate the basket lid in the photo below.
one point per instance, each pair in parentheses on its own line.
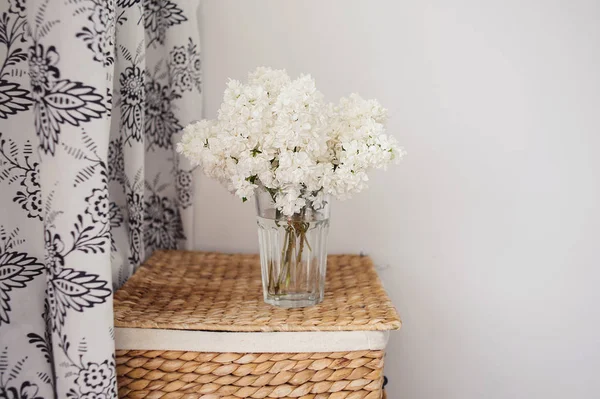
(185,290)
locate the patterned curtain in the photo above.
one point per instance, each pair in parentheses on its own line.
(93,94)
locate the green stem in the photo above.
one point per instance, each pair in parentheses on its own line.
(287,258)
(292,250)
(301,249)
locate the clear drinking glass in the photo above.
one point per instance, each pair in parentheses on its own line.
(293,252)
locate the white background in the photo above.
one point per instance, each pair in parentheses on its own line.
(490,227)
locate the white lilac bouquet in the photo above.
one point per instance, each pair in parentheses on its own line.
(280,134)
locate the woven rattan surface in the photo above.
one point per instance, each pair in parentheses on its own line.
(223,292)
(187,375)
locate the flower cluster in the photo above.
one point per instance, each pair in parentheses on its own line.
(279,133)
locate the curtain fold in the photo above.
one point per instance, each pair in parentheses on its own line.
(93,94)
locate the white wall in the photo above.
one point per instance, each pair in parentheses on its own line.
(490,226)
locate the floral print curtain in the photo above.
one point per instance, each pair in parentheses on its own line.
(93,93)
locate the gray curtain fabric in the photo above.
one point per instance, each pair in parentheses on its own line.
(93,94)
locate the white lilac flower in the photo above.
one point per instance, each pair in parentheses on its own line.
(279,133)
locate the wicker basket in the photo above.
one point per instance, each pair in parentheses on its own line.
(194,325)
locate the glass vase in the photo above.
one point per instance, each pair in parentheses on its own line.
(293,252)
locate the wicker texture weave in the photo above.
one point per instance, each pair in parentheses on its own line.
(186,290)
(218,292)
(186,375)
